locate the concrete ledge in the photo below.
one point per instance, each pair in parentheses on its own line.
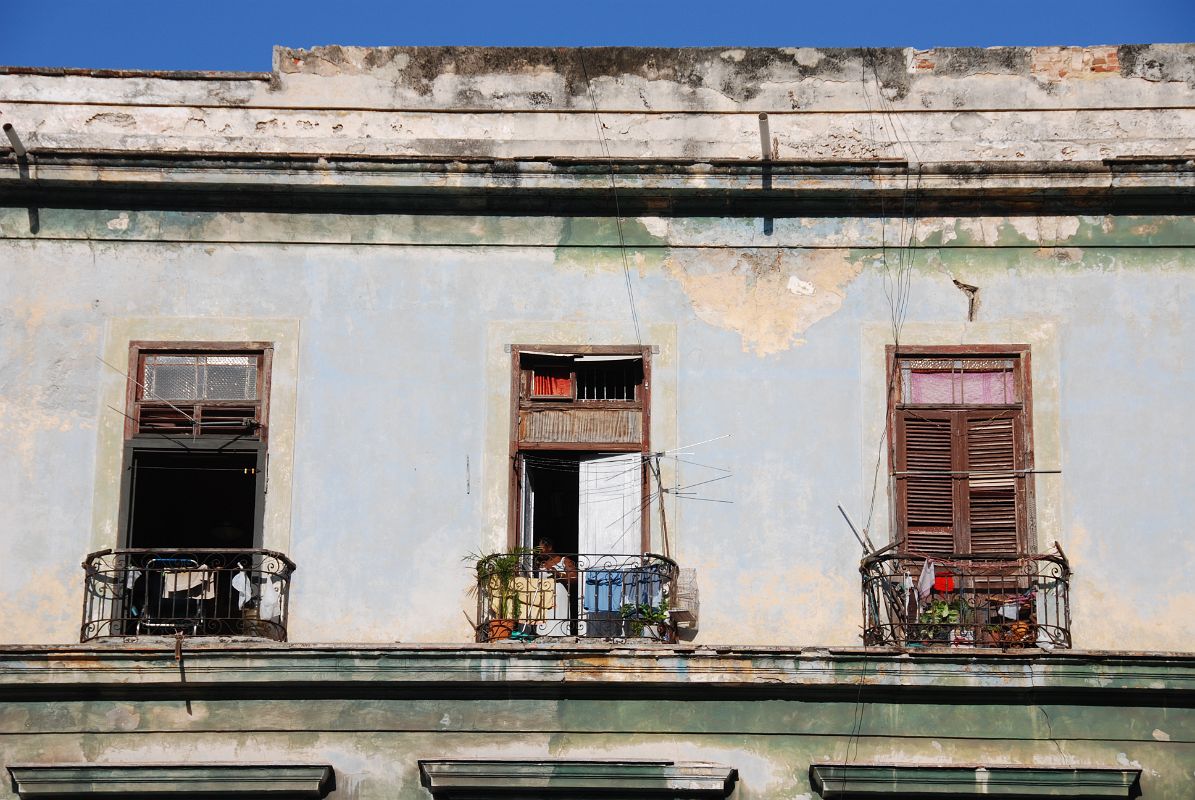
(460,779)
(215,669)
(139,780)
(308,182)
(857,781)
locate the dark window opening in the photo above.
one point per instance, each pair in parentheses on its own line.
(193,500)
(551,495)
(586,378)
(605,379)
(582,502)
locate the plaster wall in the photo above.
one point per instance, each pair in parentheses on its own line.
(770,346)
(375,745)
(999,104)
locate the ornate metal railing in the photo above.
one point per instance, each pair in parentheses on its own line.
(967,600)
(210,592)
(525,596)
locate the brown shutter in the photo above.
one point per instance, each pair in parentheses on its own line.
(991,495)
(927,499)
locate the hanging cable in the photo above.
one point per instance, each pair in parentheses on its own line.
(622,243)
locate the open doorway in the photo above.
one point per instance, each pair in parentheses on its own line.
(583,515)
(585,503)
(550,498)
(193,499)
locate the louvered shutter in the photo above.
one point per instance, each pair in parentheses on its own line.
(925,486)
(990,514)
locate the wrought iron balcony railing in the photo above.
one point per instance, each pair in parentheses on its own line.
(525,596)
(211,592)
(967,600)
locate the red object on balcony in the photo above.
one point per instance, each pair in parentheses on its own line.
(944,583)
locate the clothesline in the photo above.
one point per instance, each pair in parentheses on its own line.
(994,565)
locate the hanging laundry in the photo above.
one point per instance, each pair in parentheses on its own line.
(907,586)
(244,588)
(925,581)
(197,584)
(271,599)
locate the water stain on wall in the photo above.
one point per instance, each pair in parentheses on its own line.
(769,297)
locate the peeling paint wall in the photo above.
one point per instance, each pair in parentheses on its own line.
(776,348)
(772,759)
(752,714)
(391,384)
(1013,104)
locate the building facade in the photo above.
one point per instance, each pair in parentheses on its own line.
(455,422)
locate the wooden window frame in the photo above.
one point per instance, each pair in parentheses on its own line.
(138,350)
(520,400)
(137,442)
(1022,437)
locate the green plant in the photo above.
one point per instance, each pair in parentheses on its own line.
(495,578)
(941,615)
(640,615)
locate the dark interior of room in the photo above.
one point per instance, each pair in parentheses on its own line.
(193,499)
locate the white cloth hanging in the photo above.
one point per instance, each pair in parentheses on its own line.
(270,607)
(243,586)
(925,581)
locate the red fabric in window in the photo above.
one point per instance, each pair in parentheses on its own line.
(553,383)
(944,583)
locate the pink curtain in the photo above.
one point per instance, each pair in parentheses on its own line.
(961,388)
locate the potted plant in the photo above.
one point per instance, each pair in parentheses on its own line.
(940,618)
(645,618)
(496,573)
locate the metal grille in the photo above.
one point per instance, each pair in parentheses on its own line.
(973,601)
(163,592)
(593,596)
(608,380)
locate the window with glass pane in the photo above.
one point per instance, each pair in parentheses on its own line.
(200,377)
(199,393)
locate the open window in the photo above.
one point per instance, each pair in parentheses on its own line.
(195,453)
(190,558)
(579,433)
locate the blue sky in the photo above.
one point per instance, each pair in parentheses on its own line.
(222,35)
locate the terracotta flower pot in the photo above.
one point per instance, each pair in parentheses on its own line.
(497,629)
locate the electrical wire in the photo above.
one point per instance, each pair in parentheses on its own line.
(622,243)
(897,290)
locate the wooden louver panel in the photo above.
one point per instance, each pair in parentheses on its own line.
(578,425)
(992,484)
(928,485)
